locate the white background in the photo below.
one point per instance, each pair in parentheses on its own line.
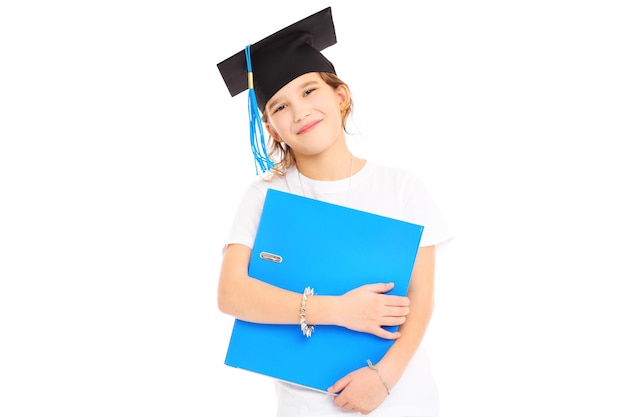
(122,158)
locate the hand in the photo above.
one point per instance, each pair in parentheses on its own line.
(361,391)
(367,308)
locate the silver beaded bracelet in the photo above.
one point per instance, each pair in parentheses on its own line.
(307,330)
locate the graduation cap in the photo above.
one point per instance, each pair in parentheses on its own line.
(266,66)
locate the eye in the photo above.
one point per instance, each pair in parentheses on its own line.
(308,91)
(278,108)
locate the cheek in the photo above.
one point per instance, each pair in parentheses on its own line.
(279,125)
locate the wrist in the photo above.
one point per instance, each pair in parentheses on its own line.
(380,376)
(320,309)
(389,372)
(307,328)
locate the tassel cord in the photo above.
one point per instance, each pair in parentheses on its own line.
(257,138)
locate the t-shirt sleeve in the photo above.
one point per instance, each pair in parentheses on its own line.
(246,221)
(420,208)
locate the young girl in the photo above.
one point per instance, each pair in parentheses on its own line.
(304,109)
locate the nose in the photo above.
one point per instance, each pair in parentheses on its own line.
(302,114)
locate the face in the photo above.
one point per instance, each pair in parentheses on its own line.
(306,115)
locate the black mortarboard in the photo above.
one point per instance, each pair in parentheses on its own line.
(282,57)
(267,66)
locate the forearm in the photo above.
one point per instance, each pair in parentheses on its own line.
(421,295)
(397,358)
(365,309)
(253,300)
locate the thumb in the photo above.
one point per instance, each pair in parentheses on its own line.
(339,385)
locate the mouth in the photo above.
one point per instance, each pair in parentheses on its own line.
(308,127)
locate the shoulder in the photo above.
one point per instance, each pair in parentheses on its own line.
(257,190)
(396,176)
(392,170)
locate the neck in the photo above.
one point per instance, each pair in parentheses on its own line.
(327,169)
(349,176)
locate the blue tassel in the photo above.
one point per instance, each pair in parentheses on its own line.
(257,138)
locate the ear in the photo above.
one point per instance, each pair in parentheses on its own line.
(343,95)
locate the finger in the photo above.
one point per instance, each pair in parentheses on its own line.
(339,385)
(379,288)
(386,334)
(396,311)
(397,300)
(392,321)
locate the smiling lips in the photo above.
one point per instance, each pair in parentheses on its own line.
(308,127)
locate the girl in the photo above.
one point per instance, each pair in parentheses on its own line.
(304,109)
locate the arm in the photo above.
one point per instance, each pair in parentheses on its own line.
(250,299)
(366,308)
(421,294)
(362,389)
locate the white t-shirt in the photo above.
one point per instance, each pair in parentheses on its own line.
(386,191)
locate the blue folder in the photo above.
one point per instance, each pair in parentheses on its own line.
(333,249)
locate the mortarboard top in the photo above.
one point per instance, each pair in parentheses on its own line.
(281,57)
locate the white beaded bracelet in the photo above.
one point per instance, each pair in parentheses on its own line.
(307,330)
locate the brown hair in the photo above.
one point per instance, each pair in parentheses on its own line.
(280,153)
